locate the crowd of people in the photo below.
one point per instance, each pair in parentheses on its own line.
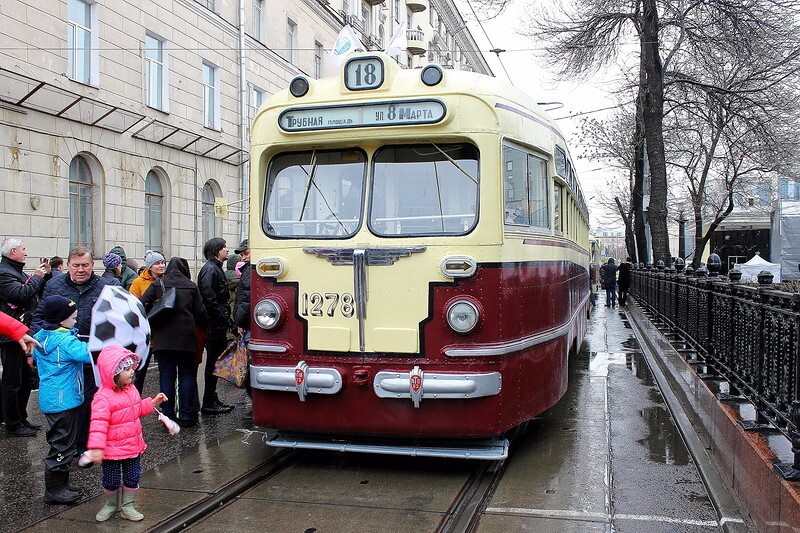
(616,279)
(45,321)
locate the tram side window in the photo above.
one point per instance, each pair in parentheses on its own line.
(314,194)
(424,189)
(525,189)
(557,208)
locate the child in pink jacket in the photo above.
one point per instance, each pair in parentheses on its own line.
(115,433)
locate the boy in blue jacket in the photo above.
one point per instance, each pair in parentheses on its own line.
(60,360)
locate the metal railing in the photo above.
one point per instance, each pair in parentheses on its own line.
(746,335)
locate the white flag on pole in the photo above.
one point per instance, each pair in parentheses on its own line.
(346,43)
(398,42)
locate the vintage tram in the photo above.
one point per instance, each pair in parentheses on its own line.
(419,241)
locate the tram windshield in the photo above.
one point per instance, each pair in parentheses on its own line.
(424,189)
(421,189)
(315,194)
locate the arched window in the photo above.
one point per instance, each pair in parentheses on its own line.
(80,203)
(153,212)
(209,222)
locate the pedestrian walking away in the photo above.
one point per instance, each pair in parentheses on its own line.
(624,281)
(115,436)
(214,289)
(19,296)
(60,357)
(608,276)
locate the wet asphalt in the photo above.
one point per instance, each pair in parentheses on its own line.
(608,457)
(21,469)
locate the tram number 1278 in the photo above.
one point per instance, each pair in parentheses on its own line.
(315,304)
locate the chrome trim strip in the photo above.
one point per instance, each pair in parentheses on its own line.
(519,344)
(272,348)
(360,293)
(313,380)
(418,385)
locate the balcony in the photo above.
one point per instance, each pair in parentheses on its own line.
(417,5)
(416,42)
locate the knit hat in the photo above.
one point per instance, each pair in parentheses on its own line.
(131,361)
(57,309)
(112,261)
(151,258)
(232,260)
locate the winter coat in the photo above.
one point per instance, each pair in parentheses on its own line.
(60,362)
(84,296)
(214,289)
(128,274)
(11,327)
(115,427)
(141,283)
(608,275)
(624,279)
(19,293)
(241,311)
(176,330)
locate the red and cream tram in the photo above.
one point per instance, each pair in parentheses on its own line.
(421,264)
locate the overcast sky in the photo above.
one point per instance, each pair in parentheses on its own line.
(519,65)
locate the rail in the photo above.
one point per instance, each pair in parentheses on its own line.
(746,335)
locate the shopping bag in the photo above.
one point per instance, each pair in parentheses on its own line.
(164,304)
(233,362)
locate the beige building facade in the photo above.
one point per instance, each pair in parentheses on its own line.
(123,123)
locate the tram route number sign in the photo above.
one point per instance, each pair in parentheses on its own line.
(395,113)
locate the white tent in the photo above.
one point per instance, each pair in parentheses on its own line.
(752,268)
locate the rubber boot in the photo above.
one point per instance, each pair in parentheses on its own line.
(128,511)
(111,506)
(55,488)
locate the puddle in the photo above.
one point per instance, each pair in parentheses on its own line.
(600,361)
(664,443)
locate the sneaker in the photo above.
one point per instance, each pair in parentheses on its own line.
(21,431)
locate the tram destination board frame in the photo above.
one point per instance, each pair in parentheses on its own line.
(363,115)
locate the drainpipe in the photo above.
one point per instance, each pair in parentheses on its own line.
(243,124)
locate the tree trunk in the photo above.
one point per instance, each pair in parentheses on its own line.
(642,252)
(653,114)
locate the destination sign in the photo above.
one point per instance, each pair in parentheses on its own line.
(362,115)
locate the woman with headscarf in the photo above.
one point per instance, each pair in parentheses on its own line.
(175,339)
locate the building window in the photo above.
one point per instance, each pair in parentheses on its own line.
(397,11)
(346,7)
(156,73)
(82,41)
(153,212)
(208,4)
(209,221)
(291,41)
(257,4)
(256,99)
(80,203)
(318,54)
(211,117)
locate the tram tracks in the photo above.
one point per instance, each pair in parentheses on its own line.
(213,502)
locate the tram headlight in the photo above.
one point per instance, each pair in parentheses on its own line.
(462,316)
(267,314)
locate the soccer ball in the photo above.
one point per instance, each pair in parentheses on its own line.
(118,317)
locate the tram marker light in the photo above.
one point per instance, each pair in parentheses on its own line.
(270,267)
(432,75)
(299,86)
(458,266)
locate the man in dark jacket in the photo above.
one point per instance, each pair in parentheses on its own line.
(214,289)
(19,295)
(624,280)
(608,275)
(81,285)
(128,274)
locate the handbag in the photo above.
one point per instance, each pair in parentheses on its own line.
(164,304)
(233,363)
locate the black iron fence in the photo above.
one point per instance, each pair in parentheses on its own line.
(746,335)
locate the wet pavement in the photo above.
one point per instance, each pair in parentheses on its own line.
(22,472)
(607,458)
